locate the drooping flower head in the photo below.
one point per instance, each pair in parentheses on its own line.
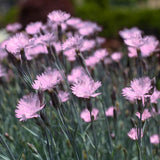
(134,132)
(17,43)
(58,16)
(155,139)
(85,87)
(145,115)
(86,116)
(28,106)
(139,89)
(47,80)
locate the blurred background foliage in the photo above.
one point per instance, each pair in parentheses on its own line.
(112,15)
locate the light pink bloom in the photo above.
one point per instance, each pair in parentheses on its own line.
(110,111)
(28,106)
(149,46)
(76,74)
(92,61)
(145,115)
(73,21)
(133,133)
(86,115)
(70,54)
(100,54)
(17,43)
(132,52)
(34,28)
(107,61)
(87,45)
(154,139)
(85,87)
(47,80)
(116,56)
(139,89)
(128,33)
(32,52)
(57,46)
(155,96)
(58,16)
(73,43)
(136,41)
(14,27)
(63,96)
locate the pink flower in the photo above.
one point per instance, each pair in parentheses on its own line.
(47,80)
(154,139)
(133,133)
(155,96)
(116,56)
(63,96)
(86,115)
(85,87)
(107,61)
(87,45)
(149,46)
(100,54)
(58,16)
(92,61)
(28,106)
(73,21)
(76,74)
(73,43)
(70,54)
(145,115)
(32,52)
(14,27)
(34,28)
(110,111)
(139,89)
(132,52)
(128,33)
(17,43)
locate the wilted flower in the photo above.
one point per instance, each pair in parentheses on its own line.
(47,80)
(86,115)
(28,106)
(154,139)
(133,133)
(34,28)
(63,96)
(17,43)
(14,27)
(139,89)
(85,87)
(145,115)
(58,16)
(110,111)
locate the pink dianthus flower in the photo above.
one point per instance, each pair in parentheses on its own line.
(110,111)
(47,80)
(145,115)
(154,139)
(133,133)
(139,89)
(85,87)
(86,115)
(33,28)
(28,106)
(63,96)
